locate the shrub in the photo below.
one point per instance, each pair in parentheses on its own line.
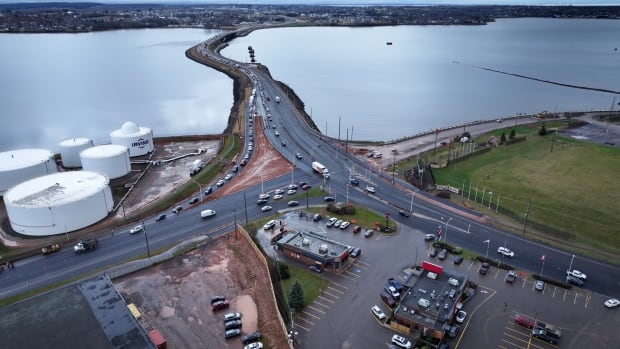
(543,130)
(444,194)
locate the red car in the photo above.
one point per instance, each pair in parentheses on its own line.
(523,321)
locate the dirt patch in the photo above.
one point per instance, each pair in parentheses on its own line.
(175,296)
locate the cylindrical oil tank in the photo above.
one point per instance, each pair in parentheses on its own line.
(70,150)
(19,165)
(139,140)
(111,160)
(58,203)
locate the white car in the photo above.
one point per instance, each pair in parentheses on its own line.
(263,196)
(378,312)
(278,197)
(371,189)
(207,213)
(291,191)
(429,237)
(269,225)
(266,208)
(506,252)
(576,273)
(228,176)
(220,183)
(392,291)
(135,230)
(277,133)
(255,345)
(401,341)
(278,191)
(331,222)
(344,225)
(612,303)
(460,316)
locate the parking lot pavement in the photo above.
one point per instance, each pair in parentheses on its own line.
(317,310)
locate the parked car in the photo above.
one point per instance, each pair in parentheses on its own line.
(232,316)
(219,305)
(484,268)
(543,335)
(571,280)
(232,333)
(460,316)
(451,330)
(331,222)
(337,224)
(389,301)
(228,176)
(442,254)
(251,338)
(391,290)
(401,341)
(329,199)
(454,282)
(269,225)
(316,217)
(506,252)
(612,303)
(193,201)
(397,285)
(378,312)
(429,237)
(511,277)
(293,203)
(266,208)
(357,229)
(177,209)
(458,260)
(540,285)
(216,299)
(135,230)
(161,217)
(356,252)
(220,183)
(306,187)
(576,273)
(523,321)
(368,233)
(231,325)
(315,269)
(255,345)
(344,225)
(433,252)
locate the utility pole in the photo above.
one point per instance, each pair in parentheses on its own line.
(393,164)
(527,213)
(146,237)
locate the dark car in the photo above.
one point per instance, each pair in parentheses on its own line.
(232,324)
(442,254)
(357,229)
(217,299)
(293,203)
(160,217)
(397,285)
(251,338)
(523,321)
(306,186)
(354,181)
(177,209)
(317,217)
(209,190)
(283,143)
(261,201)
(542,334)
(403,213)
(301,184)
(315,269)
(484,268)
(433,252)
(458,260)
(389,301)
(329,199)
(232,333)
(571,280)
(219,305)
(193,201)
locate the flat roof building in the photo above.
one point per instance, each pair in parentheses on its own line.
(312,249)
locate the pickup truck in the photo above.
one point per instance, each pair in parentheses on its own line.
(86,245)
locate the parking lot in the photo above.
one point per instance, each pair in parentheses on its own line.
(340,317)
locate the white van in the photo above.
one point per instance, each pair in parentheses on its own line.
(207,213)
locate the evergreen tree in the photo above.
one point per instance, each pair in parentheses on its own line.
(296,297)
(502,139)
(512,134)
(543,130)
(284,273)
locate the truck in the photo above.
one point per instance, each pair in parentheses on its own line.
(277,99)
(86,245)
(318,167)
(197,165)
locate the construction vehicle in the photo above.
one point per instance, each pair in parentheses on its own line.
(51,248)
(86,245)
(318,167)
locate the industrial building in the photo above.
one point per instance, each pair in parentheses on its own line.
(313,249)
(58,203)
(111,160)
(139,140)
(17,166)
(70,150)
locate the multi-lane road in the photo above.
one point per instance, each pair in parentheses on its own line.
(462,230)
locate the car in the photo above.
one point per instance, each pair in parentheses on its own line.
(458,260)
(255,345)
(442,254)
(277,134)
(329,199)
(337,224)
(177,209)
(371,189)
(403,213)
(243,162)
(278,192)
(302,183)
(506,252)
(484,268)
(389,301)
(220,305)
(297,155)
(331,222)
(278,196)
(523,321)
(261,201)
(306,187)
(207,213)
(51,248)
(576,273)
(357,229)
(571,280)
(378,312)
(228,176)
(209,190)
(460,316)
(136,229)
(392,291)
(230,325)
(193,201)
(216,299)
(291,192)
(292,186)
(232,333)
(251,338)
(356,252)
(283,143)
(354,181)
(269,225)
(263,196)
(293,203)
(232,316)
(266,208)
(543,335)
(161,217)
(397,285)
(344,225)
(451,331)
(316,217)
(315,269)
(454,282)
(401,341)
(539,285)
(368,233)
(220,183)
(429,237)
(612,303)
(511,277)
(433,252)
(235,168)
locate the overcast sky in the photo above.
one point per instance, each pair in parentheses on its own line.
(347,2)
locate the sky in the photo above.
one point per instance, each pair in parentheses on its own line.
(344,2)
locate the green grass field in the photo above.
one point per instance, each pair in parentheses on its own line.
(571,189)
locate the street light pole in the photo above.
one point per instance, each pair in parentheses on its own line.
(570,267)
(445,238)
(146,238)
(527,213)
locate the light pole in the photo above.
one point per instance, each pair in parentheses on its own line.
(199,189)
(411,206)
(570,266)
(527,213)
(393,164)
(445,237)
(146,238)
(262,186)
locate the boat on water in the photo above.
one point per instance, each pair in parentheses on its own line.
(388,43)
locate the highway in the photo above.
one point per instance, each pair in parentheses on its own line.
(461,230)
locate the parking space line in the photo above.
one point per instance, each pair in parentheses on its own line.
(339,285)
(360,266)
(303,328)
(309,314)
(329,300)
(587,300)
(346,277)
(321,304)
(361,262)
(348,272)
(316,309)
(332,289)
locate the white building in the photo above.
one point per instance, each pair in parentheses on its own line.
(70,150)
(139,140)
(58,203)
(17,166)
(111,160)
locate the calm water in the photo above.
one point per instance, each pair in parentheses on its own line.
(86,85)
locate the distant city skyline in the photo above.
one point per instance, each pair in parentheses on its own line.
(343,2)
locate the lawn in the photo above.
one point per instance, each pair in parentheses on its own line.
(311,283)
(568,188)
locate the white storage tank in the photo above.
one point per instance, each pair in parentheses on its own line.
(70,150)
(19,165)
(111,160)
(139,140)
(58,203)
